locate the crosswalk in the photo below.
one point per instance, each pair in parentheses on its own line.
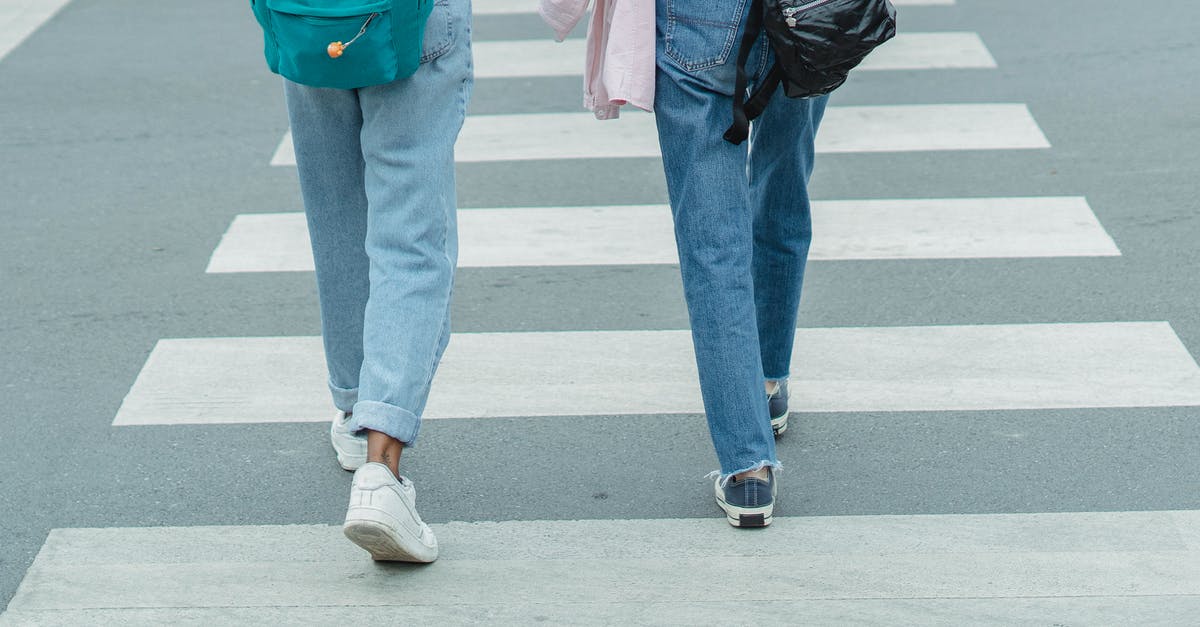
(908,51)
(1090,568)
(894,128)
(1001,568)
(933,228)
(519,7)
(932,368)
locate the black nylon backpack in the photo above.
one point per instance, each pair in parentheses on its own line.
(816,44)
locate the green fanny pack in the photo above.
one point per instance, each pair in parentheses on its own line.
(344,44)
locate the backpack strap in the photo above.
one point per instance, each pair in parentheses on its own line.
(761,96)
(740,129)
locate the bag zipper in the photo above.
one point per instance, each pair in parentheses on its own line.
(789,13)
(336,48)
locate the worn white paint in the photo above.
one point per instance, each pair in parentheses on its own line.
(642,234)
(21,18)
(503,7)
(875,569)
(985,367)
(907,51)
(515,7)
(930,51)
(894,128)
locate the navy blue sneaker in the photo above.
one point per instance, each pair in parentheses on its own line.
(777,403)
(749,502)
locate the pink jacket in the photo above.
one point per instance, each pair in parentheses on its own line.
(620,51)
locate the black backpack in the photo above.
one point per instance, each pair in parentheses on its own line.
(816,44)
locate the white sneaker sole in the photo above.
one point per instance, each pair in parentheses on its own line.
(369,529)
(779,425)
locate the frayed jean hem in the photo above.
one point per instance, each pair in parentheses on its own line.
(387,419)
(775,467)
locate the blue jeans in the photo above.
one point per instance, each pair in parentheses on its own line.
(742,221)
(376,169)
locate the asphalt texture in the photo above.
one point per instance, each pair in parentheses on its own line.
(132,132)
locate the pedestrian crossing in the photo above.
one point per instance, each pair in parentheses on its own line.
(516,7)
(503,7)
(892,128)
(872,369)
(977,569)
(1001,568)
(908,51)
(951,228)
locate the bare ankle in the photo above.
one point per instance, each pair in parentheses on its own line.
(384,449)
(761,473)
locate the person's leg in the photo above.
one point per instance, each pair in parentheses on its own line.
(710,201)
(326,124)
(781,162)
(325,129)
(408,132)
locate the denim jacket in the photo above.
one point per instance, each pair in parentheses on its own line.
(620,51)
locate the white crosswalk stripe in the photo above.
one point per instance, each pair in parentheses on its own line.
(878,569)
(514,7)
(635,235)
(21,18)
(934,368)
(930,51)
(503,7)
(908,51)
(896,128)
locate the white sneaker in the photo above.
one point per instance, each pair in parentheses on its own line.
(383,517)
(351,447)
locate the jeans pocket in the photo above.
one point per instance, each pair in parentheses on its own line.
(439,32)
(701,34)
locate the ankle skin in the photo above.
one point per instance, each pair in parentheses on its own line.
(385,450)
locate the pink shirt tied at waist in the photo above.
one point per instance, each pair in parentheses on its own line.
(620,51)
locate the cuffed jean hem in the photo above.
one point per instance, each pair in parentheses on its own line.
(387,419)
(343,398)
(781,379)
(775,467)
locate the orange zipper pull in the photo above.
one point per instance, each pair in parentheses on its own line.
(336,48)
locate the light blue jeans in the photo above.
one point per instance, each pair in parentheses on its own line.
(376,170)
(742,221)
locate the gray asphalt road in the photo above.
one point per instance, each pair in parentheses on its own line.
(131,133)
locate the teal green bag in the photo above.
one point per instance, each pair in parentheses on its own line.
(344,44)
